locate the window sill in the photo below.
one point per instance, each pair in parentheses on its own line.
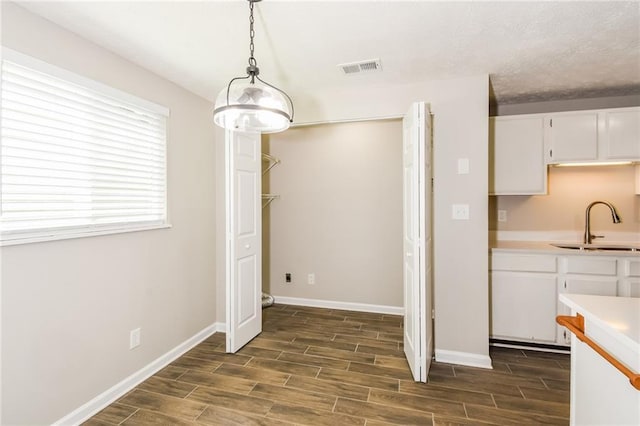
(28,239)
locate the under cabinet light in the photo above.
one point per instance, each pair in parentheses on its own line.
(595,163)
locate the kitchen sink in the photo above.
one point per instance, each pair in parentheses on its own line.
(597,247)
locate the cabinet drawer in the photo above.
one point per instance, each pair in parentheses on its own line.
(632,268)
(598,286)
(591,265)
(523,262)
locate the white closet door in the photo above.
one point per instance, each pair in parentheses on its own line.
(417,274)
(244,238)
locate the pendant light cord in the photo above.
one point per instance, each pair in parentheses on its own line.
(253,70)
(252,33)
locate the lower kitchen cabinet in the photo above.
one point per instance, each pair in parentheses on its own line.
(629,286)
(593,285)
(523,297)
(523,306)
(525,288)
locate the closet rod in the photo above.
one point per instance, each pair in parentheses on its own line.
(269,157)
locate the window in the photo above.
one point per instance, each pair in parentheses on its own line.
(77,158)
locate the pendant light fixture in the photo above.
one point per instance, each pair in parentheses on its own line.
(250,103)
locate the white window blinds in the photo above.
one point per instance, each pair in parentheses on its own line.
(76,157)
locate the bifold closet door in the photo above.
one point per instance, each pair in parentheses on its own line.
(244,238)
(417,242)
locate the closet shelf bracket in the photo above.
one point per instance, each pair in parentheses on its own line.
(273,161)
(268,198)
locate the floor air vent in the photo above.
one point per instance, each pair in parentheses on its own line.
(371,65)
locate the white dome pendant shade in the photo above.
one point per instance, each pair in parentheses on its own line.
(252,107)
(251,104)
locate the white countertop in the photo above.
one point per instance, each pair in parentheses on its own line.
(618,316)
(547,247)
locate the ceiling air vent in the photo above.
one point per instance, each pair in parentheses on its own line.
(367,66)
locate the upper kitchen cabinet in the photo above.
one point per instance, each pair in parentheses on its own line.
(573,137)
(593,136)
(516,155)
(622,133)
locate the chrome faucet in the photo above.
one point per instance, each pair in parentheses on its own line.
(588,237)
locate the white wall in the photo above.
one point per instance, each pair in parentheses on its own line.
(68,306)
(340,212)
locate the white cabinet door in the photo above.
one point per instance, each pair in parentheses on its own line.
(523,306)
(516,156)
(622,128)
(573,137)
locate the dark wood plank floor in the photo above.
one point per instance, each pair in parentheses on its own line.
(314,366)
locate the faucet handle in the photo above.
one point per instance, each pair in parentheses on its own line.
(597,236)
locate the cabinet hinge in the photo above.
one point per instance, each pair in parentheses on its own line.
(565,284)
(433,314)
(551,153)
(551,122)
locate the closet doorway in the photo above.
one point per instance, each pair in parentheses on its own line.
(243,242)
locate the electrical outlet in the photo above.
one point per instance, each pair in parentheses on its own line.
(287,277)
(311,279)
(134,338)
(502,215)
(460,211)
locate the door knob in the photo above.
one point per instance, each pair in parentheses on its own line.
(248,246)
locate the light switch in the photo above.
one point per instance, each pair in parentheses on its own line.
(460,211)
(463,166)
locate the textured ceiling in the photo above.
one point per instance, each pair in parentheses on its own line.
(533,51)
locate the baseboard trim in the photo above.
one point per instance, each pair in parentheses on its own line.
(84,412)
(349,306)
(219,327)
(463,358)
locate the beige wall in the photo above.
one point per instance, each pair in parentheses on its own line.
(68,306)
(340,212)
(460,124)
(571,189)
(460,108)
